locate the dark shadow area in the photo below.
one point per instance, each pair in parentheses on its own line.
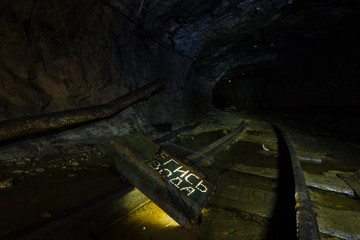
(283,223)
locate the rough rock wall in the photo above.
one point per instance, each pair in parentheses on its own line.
(310,49)
(61,55)
(68,54)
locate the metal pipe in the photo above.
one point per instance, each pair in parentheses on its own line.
(25,126)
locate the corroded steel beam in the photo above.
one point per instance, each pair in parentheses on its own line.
(174,187)
(20,127)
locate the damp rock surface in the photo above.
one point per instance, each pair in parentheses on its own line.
(269,55)
(6,183)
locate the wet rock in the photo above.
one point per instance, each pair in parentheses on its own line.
(19,163)
(72,175)
(39,170)
(30,172)
(8,164)
(45,215)
(6,183)
(18,171)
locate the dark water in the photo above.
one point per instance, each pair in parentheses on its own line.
(36,200)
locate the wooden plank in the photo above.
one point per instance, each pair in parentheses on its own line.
(258,171)
(328,182)
(353,181)
(254,201)
(338,223)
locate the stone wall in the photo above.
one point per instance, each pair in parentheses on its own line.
(62,55)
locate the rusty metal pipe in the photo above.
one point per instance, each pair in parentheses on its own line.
(25,126)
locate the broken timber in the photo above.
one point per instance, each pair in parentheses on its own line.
(215,147)
(21,127)
(173,186)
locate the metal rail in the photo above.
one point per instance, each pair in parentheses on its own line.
(306,224)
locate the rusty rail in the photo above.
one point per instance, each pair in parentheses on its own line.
(25,126)
(306,224)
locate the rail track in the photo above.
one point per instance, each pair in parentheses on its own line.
(265,194)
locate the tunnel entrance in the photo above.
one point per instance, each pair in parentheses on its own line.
(247,88)
(223,95)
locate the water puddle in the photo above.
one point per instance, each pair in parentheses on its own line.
(201,140)
(194,143)
(38,199)
(248,153)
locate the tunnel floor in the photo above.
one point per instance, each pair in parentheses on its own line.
(36,191)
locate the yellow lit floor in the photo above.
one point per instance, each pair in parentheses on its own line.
(151,223)
(148,222)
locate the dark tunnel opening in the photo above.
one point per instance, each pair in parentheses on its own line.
(246,88)
(307,75)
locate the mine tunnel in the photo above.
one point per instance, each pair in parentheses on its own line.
(151,119)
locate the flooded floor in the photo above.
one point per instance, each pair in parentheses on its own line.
(46,188)
(254,199)
(220,218)
(148,222)
(248,204)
